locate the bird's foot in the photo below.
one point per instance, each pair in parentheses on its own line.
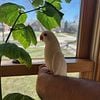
(50,72)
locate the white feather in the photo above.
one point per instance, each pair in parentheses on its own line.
(59,64)
(53,56)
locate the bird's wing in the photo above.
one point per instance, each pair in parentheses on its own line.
(58,64)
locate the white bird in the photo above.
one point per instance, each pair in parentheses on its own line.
(54,58)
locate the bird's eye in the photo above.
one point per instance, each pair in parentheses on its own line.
(45,34)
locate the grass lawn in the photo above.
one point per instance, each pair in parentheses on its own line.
(21,84)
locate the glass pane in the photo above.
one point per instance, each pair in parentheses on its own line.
(75,74)
(21,84)
(67,34)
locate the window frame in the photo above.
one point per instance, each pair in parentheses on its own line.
(81,64)
(74,65)
(87,19)
(95,53)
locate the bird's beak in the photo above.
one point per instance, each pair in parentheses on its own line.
(41,37)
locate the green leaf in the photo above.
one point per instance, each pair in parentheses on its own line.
(24,34)
(58,17)
(19,26)
(56,3)
(36,3)
(21,35)
(47,22)
(51,11)
(32,35)
(12,51)
(68,1)
(17,96)
(10,12)
(50,17)
(25,58)
(22,18)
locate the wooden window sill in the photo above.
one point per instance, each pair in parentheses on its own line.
(74,65)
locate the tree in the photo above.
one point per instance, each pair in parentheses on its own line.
(66,26)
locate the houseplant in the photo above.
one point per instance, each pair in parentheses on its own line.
(14,15)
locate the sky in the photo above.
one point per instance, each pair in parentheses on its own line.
(71,11)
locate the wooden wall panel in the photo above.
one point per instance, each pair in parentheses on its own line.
(98,68)
(95,50)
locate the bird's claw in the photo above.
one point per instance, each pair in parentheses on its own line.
(50,72)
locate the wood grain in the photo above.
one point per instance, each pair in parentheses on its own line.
(74,65)
(88,9)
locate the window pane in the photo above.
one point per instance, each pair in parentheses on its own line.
(75,74)
(67,34)
(21,84)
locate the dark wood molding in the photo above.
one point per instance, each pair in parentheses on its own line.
(97,71)
(88,10)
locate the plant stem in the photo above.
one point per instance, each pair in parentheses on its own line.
(17,20)
(12,27)
(32,10)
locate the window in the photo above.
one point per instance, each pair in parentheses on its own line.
(83,51)
(84,66)
(67,34)
(20,84)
